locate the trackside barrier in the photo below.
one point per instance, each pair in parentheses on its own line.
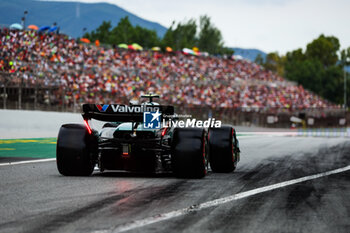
(324,132)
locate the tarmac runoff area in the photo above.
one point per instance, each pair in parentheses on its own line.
(283,183)
(19,124)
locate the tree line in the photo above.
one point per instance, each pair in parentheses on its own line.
(319,67)
(188,34)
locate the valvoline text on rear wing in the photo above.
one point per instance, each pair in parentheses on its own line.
(123,113)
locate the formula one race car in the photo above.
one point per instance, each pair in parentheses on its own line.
(141,138)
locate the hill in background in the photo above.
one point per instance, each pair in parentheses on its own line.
(72,17)
(249,54)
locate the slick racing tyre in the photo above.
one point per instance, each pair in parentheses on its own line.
(223,149)
(76,150)
(189,152)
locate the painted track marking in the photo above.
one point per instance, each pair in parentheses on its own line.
(27,161)
(176,213)
(34,161)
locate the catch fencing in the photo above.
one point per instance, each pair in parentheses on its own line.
(17,92)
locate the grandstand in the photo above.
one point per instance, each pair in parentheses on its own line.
(55,72)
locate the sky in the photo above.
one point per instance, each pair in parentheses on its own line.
(269,25)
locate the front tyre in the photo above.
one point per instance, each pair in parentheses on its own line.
(189,153)
(76,150)
(223,147)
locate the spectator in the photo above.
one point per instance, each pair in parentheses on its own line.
(90,74)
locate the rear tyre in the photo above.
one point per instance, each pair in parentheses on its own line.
(189,153)
(223,149)
(76,151)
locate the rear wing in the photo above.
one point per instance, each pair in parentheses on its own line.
(123,113)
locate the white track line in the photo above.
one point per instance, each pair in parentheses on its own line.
(34,161)
(176,213)
(27,161)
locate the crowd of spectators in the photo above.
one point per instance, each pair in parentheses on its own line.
(82,73)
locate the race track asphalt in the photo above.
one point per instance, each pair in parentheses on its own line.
(35,198)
